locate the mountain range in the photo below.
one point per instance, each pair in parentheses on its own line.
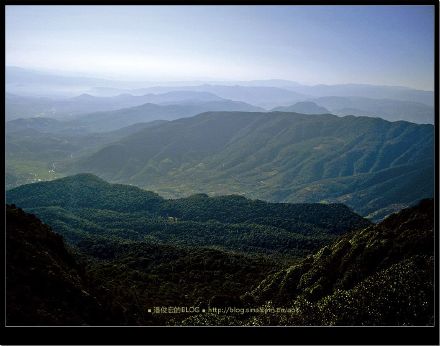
(67,108)
(113,120)
(374,166)
(388,109)
(41,94)
(304,107)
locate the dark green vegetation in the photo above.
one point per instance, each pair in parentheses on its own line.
(45,285)
(83,207)
(102,282)
(374,166)
(382,275)
(142,275)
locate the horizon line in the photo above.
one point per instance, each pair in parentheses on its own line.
(207,81)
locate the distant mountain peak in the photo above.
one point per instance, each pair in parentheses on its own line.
(84,96)
(303,107)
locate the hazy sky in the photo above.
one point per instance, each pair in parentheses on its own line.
(391,45)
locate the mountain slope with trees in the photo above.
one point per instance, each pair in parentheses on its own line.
(372,165)
(45,284)
(381,275)
(105,282)
(84,206)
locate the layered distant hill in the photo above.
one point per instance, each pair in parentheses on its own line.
(350,90)
(305,107)
(180,138)
(391,110)
(65,108)
(113,120)
(370,91)
(35,145)
(33,93)
(37,83)
(269,94)
(372,165)
(388,109)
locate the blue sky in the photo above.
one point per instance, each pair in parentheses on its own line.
(389,45)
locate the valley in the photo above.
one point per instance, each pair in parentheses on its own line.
(230,202)
(276,156)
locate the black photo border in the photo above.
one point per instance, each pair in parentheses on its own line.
(271,335)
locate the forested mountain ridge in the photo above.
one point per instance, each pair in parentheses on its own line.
(381,275)
(101,282)
(84,206)
(378,275)
(355,256)
(367,163)
(390,263)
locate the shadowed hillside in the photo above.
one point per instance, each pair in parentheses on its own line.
(381,275)
(45,285)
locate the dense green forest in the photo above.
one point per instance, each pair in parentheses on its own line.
(45,284)
(379,275)
(84,207)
